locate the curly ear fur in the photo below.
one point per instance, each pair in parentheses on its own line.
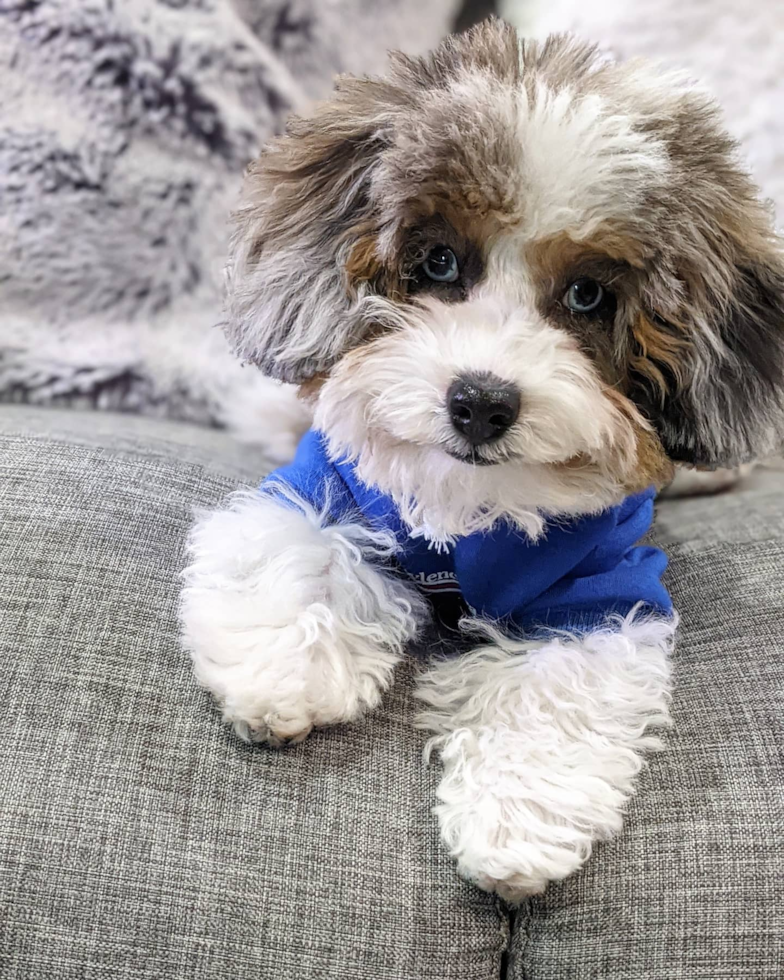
(305,204)
(710,372)
(308,224)
(730,408)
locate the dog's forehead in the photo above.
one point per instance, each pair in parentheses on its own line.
(538,155)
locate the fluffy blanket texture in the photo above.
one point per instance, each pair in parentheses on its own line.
(124,129)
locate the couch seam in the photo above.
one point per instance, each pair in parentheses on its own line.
(518,915)
(506,916)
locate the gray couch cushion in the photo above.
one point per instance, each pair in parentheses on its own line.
(138,837)
(694,887)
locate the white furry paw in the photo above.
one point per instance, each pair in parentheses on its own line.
(540,745)
(288,622)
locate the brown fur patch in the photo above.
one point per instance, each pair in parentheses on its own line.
(657,347)
(652,465)
(365,266)
(309,390)
(556,261)
(606,253)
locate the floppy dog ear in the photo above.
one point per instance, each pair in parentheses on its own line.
(729,409)
(305,203)
(709,363)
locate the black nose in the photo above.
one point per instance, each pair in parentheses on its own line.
(482,407)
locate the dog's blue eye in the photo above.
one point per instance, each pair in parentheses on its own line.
(441,264)
(584,296)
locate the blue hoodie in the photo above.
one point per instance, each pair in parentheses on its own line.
(576,574)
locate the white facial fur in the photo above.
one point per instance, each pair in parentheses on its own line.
(385,406)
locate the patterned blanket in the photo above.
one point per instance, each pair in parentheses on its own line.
(124,128)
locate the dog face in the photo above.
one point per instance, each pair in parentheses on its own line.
(514,279)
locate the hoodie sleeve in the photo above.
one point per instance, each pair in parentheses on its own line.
(311,478)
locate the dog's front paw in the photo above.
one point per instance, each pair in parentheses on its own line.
(540,746)
(288,624)
(513,824)
(282,683)
(270,727)
(264,691)
(278,732)
(275,683)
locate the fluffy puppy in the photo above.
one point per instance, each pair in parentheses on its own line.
(516,283)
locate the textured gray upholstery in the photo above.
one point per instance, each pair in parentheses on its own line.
(140,839)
